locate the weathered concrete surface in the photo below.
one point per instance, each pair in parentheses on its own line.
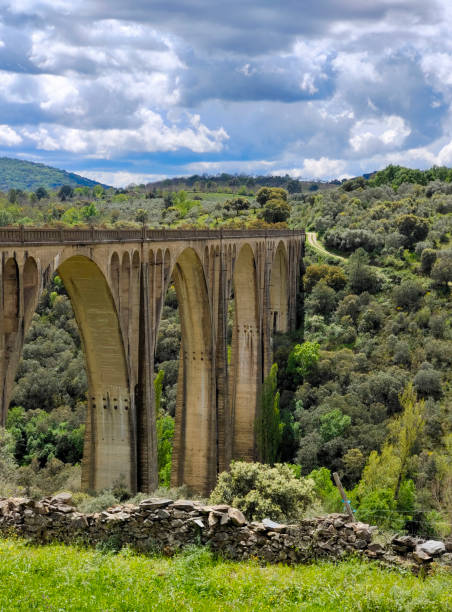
(117,283)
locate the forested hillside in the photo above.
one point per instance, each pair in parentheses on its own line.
(25,175)
(365,386)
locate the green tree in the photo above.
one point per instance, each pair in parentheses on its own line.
(334,276)
(90,212)
(322,299)
(442,270)
(353,462)
(303,358)
(428,258)
(333,424)
(65,192)
(158,387)
(237,204)
(41,193)
(276,211)
(141,215)
(361,276)
(165,434)
(7,461)
(406,428)
(268,422)
(408,294)
(294,186)
(265,194)
(388,469)
(414,228)
(98,191)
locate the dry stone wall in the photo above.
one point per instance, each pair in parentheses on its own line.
(168,526)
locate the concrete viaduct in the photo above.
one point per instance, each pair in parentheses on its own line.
(117,282)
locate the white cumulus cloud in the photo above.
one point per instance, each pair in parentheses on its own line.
(379,133)
(120,178)
(152,134)
(9,137)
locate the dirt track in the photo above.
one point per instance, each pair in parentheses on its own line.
(315,244)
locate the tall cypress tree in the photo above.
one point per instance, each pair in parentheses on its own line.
(268,423)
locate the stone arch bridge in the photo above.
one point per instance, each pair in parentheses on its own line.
(117,281)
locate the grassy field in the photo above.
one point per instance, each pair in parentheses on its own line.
(67,578)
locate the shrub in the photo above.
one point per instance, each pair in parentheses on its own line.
(437,324)
(380,508)
(96,504)
(322,299)
(442,270)
(428,258)
(262,491)
(326,490)
(361,276)
(407,295)
(370,320)
(428,382)
(350,306)
(334,276)
(413,227)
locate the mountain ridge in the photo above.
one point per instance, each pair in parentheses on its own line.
(28,176)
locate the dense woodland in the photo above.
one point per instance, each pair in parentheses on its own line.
(29,176)
(362,388)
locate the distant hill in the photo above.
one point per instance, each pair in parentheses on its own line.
(241,184)
(26,175)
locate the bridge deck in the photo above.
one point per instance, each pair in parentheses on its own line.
(25,235)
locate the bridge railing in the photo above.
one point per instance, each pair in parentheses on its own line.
(36,235)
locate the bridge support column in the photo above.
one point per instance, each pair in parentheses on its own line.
(147,467)
(195,444)
(110,453)
(246,358)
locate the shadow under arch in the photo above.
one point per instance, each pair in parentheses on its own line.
(245,356)
(11,296)
(194,451)
(31,289)
(108,448)
(12,332)
(279,291)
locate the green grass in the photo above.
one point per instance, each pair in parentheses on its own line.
(66,578)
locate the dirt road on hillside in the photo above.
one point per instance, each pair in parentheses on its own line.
(315,244)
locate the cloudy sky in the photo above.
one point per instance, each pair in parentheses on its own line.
(131,91)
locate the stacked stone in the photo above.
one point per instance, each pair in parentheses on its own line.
(423,552)
(167,526)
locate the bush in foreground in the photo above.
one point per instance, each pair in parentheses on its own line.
(262,491)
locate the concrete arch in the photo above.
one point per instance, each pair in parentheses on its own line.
(245,359)
(194,454)
(108,452)
(279,291)
(11,296)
